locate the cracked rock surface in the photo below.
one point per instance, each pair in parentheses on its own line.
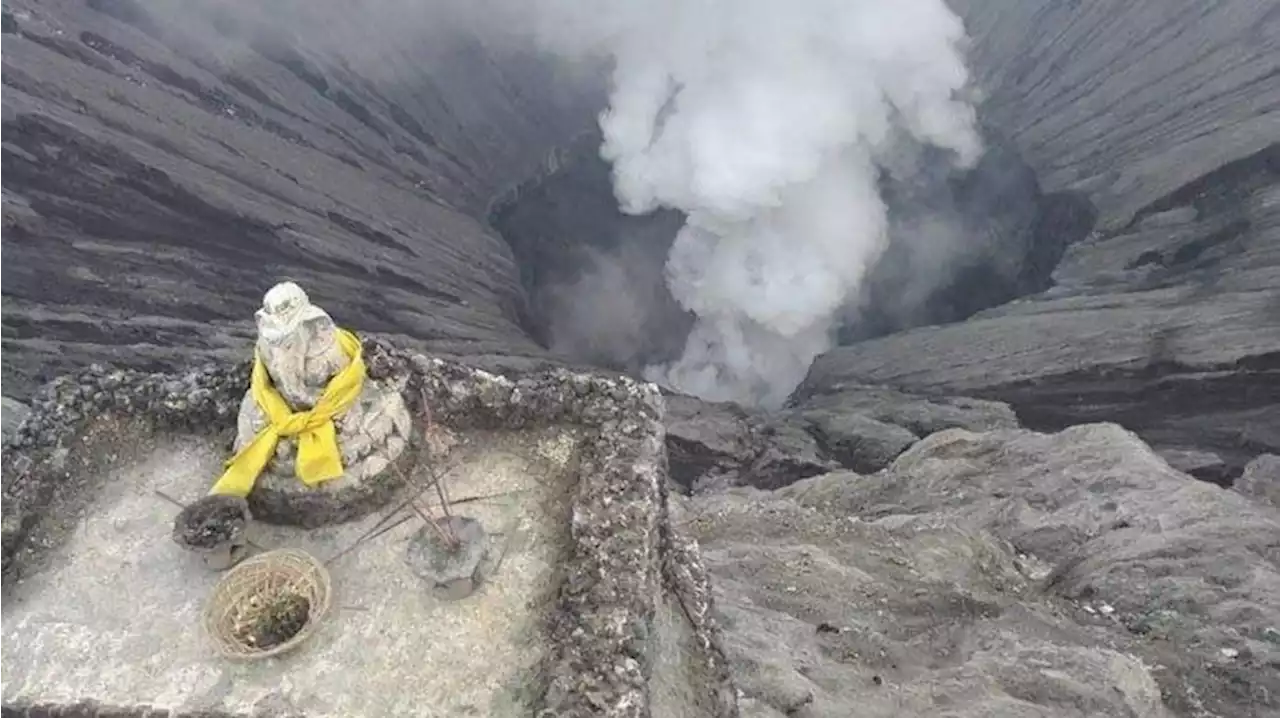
(1006,573)
(859,427)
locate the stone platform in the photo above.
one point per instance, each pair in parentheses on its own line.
(596,606)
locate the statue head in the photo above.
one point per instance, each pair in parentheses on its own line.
(284,308)
(298,343)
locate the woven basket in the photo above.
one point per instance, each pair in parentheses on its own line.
(260,580)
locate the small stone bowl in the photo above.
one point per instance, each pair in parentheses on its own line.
(451,573)
(214,528)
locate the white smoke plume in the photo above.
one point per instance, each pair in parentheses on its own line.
(766,122)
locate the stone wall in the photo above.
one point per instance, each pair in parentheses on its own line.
(625,555)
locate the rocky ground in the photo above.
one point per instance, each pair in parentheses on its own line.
(896,540)
(1005,573)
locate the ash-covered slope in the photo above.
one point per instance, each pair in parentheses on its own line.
(1167,318)
(1127,100)
(162,168)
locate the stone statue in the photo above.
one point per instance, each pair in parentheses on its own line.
(298,344)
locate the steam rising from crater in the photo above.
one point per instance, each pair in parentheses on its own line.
(766,123)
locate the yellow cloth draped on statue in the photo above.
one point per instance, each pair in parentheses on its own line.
(319,458)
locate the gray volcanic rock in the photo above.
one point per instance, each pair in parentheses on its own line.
(1204,465)
(161,171)
(999,573)
(920,414)
(14,413)
(863,428)
(713,446)
(1127,100)
(1261,480)
(1167,318)
(859,442)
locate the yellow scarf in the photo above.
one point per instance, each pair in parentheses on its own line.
(318,457)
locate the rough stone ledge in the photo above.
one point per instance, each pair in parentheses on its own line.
(96,710)
(687,578)
(623,554)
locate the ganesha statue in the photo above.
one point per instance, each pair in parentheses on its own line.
(314,431)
